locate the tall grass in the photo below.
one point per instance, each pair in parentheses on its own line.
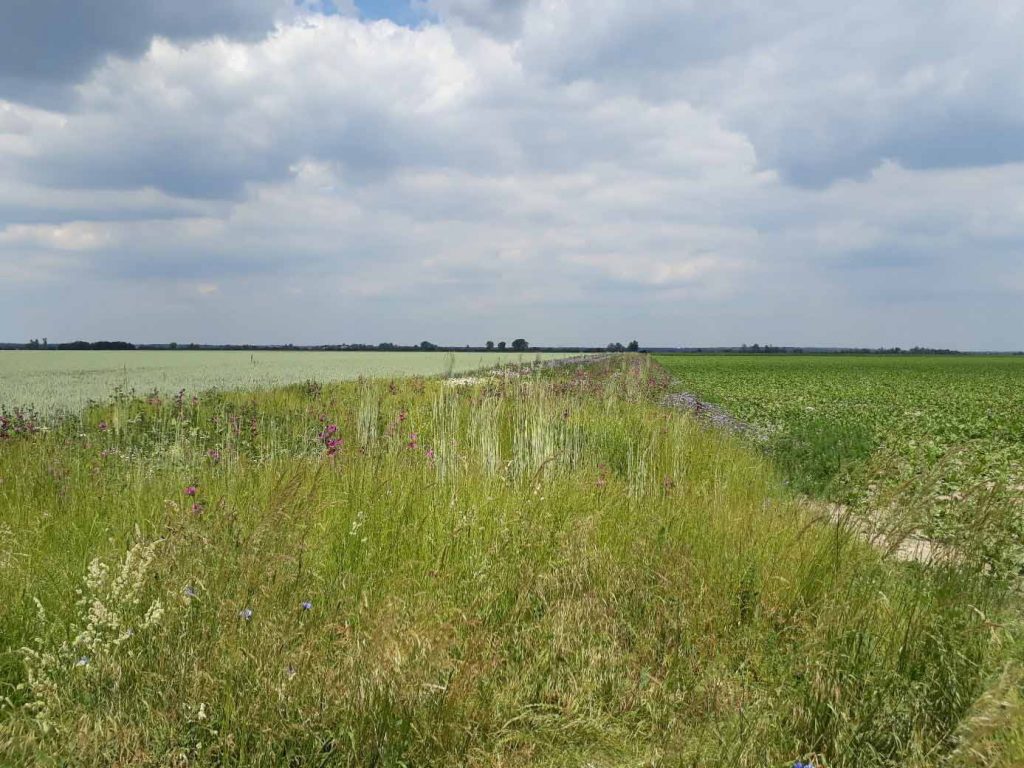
(544,569)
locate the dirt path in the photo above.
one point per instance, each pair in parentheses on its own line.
(708,411)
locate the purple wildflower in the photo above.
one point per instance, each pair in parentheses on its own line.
(214,455)
(102,426)
(191,490)
(245,614)
(307,605)
(189,591)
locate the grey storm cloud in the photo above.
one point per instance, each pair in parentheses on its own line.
(503,18)
(48,43)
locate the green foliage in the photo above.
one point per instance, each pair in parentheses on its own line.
(514,569)
(939,440)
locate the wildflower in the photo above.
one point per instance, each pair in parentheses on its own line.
(189,591)
(83,661)
(402,415)
(191,490)
(214,455)
(197,507)
(414,439)
(430,454)
(102,426)
(307,605)
(245,614)
(291,672)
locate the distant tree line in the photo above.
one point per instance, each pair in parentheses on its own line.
(615,346)
(517,345)
(44,344)
(768,349)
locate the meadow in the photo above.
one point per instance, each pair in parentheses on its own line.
(530,567)
(66,381)
(937,441)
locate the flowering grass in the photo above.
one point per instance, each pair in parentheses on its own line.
(532,569)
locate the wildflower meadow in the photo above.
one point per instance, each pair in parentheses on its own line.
(525,567)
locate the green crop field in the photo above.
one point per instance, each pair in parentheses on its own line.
(939,440)
(66,381)
(538,567)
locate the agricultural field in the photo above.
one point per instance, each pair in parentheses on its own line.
(525,568)
(52,382)
(938,441)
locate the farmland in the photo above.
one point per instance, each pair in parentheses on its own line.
(53,382)
(542,568)
(936,440)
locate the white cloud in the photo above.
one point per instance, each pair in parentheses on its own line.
(579,173)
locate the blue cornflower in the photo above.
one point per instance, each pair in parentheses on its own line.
(307,605)
(245,614)
(83,661)
(189,591)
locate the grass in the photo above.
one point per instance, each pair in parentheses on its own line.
(541,569)
(53,382)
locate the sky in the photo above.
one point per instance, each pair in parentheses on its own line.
(807,172)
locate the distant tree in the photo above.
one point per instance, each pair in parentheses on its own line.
(520,345)
(173,345)
(33,343)
(490,346)
(615,346)
(193,345)
(633,346)
(501,346)
(46,342)
(426,346)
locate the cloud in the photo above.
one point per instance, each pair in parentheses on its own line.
(502,18)
(679,173)
(823,90)
(45,44)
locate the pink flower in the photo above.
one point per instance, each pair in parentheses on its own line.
(102,426)
(191,490)
(414,440)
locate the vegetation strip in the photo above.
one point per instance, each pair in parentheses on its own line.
(543,569)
